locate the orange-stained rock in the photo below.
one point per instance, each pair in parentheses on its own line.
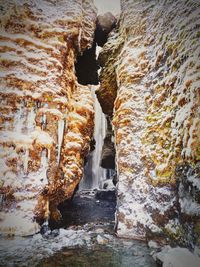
(107,91)
(153,83)
(46,116)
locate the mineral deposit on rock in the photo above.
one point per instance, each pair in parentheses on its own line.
(46,116)
(150,86)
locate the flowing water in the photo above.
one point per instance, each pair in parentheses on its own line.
(94,174)
(91,245)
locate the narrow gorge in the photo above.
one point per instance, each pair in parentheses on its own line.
(100,133)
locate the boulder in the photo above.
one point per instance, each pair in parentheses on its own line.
(104,25)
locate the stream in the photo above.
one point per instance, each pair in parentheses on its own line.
(92,245)
(84,238)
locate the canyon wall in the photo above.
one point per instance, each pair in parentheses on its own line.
(150,87)
(46,116)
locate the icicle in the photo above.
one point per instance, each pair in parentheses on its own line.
(44,118)
(44,165)
(38,104)
(47,211)
(31,119)
(79,40)
(18,121)
(44,160)
(49,154)
(6,125)
(61,126)
(113,139)
(44,121)
(45,226)
(26,160)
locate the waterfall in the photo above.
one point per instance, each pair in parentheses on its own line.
(94,174)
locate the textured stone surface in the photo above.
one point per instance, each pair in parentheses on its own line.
(46,116)
(176,257)
(108,153)
(108,149)
(104,24)
(107,91)
(154,80)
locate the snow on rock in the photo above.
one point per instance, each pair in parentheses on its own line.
(150,88)
(42,106)
(177,257)
(102,240)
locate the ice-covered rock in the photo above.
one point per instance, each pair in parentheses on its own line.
(177,257)
(150,87)
(46,116)
(101,240)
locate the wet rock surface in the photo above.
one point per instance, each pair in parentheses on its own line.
(89,239)
(176,257)
(103,256)
(88,206)
(91,245)
(107,91)
(108,153)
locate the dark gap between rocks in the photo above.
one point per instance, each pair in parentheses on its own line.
(87,67)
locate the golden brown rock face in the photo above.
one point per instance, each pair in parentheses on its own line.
(46,116)
(107,92)
(156,118)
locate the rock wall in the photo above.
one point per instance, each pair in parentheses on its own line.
(150,85)
(46,116)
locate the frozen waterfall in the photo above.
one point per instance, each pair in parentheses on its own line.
(94,174)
